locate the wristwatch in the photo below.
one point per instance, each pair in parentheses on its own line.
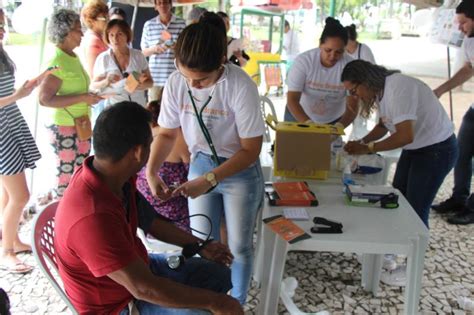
(211,178)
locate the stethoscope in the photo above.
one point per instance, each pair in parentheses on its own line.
(198,113)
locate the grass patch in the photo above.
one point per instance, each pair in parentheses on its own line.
(25,40)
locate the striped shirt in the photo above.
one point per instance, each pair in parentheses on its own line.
(18,149)
(161,65)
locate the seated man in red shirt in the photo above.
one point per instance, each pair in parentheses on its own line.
(103,264)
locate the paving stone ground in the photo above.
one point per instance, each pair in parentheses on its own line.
(327,281)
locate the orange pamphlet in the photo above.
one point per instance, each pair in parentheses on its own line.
(286,229)
(292,194)
(131,83)
(165,35)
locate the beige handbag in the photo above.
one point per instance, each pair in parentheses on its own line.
(83,126)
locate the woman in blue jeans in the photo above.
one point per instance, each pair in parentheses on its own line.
(417,122)
(216,105)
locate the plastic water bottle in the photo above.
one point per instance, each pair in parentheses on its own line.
(347,175)
(466,303)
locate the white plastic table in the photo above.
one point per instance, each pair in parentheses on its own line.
(372,231)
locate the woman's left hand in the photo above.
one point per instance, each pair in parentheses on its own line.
(357,148)
(193,188)
(142,81)
(217,252)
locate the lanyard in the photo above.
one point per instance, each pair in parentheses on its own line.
(122,72)
(202,126)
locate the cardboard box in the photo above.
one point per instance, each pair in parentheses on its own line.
(303,150)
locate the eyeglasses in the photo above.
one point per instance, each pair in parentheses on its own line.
(353,91)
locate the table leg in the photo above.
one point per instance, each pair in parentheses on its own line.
(415,266)
(371,270)
(266,248)
(258,263)
(272,276)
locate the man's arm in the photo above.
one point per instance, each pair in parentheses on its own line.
(138,279)
(464,74)
(164,230)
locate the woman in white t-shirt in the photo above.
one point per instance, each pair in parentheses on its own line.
(113,66)
(315,91)
(416,121)
(355,49)
(216,105)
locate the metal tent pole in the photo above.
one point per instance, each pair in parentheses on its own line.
(35,125)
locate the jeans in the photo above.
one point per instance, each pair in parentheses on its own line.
(288,116)
(196,272)
(238,198)
(421,172)
(463,167)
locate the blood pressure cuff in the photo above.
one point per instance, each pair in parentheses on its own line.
(146,213)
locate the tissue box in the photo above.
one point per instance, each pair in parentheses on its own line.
(303,150)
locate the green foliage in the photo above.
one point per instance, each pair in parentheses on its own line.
(25,40)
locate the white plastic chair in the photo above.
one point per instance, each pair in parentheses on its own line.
(267,108)
(44,252)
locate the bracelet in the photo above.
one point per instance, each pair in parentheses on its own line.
(204,244)
(370,145)
(189,250)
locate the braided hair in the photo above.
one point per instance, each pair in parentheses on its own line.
(372,76)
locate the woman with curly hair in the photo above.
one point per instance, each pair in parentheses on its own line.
(66,92)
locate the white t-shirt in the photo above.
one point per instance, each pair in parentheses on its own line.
(323,96)
(291,45)
(363,52)
(233,112)
(105,64)
(406,98)
(469,53)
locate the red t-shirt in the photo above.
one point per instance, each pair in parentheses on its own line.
(94,238)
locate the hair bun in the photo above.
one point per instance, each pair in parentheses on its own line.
(332,21)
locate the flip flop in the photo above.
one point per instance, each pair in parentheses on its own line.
(18,268)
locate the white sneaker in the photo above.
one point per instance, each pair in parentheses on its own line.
(396,277)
